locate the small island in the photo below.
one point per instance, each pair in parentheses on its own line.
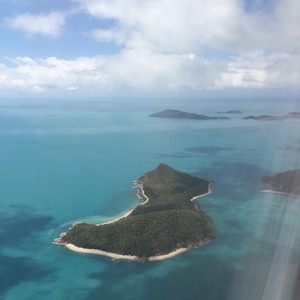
(284,183)
(234,111)
(167,223)
(289,116)
(178,114)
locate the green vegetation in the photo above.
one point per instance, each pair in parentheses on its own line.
(285,182)
(168,221)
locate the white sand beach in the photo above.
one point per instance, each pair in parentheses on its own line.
(203,195)
(129,257)
(281,193)
(100,252)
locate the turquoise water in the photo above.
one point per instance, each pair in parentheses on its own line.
(66,161)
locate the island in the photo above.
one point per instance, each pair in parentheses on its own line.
(289,116)
(167,223)
(178,114)
(284,183)
(234,111)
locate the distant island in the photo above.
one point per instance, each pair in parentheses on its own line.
(289,116)
(165,224)
(178,114)
(285,183)
(234,111)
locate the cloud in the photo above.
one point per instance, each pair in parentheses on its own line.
(168,45)
(51,73)
(173,26)
(261,70)
(109,35)
(144,70)
(191,26)
(45,24)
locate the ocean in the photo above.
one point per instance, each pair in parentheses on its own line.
(68,160)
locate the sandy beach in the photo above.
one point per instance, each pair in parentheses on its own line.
(281,193)
(100,252)
(115,220)
(126,257)
(141,194)
(167,256)
(203,195)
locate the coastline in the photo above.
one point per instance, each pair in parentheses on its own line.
(115,220)
(140,192)
(100,252)
(203,195)
(139,186)
(281,193)
(115,256)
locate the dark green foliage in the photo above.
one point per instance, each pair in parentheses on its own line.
(164,184)
(145,235)
(168,221)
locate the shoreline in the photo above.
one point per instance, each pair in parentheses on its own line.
(140,189)
(99,252)
(281,193)
(115,220)
(116,256)
(203,195)
(139,186)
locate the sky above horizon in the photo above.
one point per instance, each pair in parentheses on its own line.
(143,47)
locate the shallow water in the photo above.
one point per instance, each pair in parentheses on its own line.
(65,161)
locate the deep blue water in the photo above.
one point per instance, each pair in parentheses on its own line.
(69,160)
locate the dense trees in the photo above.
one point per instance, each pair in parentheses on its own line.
(168,221)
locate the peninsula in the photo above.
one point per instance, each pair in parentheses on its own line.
(284,183)
(289,116)
(178,114)
(165,224)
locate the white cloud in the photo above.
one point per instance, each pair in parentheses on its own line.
(167,45)
(176,26)
(46,24)
(109,35)
(259,70)
(144,70)
(51,73)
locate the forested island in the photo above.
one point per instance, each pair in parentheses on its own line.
(178,114)
(286,182)
(165,224)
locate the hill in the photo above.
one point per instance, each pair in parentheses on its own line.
(286,182)
(167,220)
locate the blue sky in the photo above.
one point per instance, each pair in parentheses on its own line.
(149,47)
